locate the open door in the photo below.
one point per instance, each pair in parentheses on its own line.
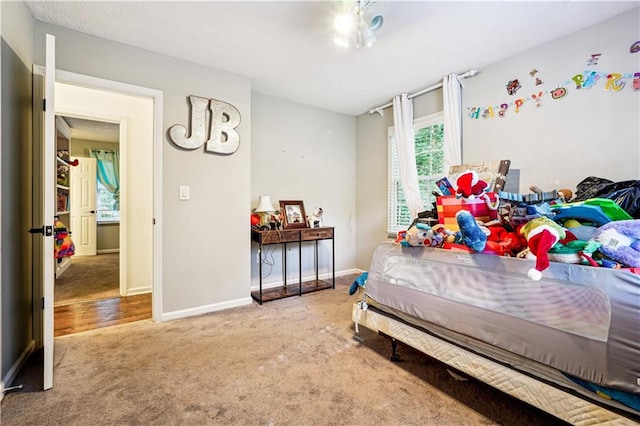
(48,191)
(44,169)
(83,207)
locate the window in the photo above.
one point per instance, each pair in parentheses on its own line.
(106,205)
(429,136)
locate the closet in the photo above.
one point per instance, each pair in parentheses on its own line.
(62,236)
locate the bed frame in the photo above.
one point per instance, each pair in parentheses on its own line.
(566,404)
(483,316)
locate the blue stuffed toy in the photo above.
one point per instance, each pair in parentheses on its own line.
(470,233)
(361,281)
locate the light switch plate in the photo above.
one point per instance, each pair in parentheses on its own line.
(184,193)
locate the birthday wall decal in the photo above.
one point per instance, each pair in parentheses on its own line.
(609,81)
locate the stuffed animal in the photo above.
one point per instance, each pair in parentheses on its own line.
(418,235)
(469,186)
(541,234)
(620,241)
(471,234)
(442,235)
(503,242)
(360,281)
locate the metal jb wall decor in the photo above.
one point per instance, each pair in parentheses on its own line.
(223,137)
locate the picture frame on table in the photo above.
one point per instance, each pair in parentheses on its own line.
(293,214)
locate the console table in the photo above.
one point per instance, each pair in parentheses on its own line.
(294,236)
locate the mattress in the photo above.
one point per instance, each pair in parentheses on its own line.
(580,320)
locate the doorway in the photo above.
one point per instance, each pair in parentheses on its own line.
(124,271)
(87,293)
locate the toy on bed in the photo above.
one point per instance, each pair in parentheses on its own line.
(620,241)
(469,186)
(471,235)
(503,242)
(420,234)
(541,233)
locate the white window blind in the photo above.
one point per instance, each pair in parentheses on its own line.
(429,148)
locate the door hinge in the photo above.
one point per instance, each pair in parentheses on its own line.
(44,105)
(47,231)
(43,303)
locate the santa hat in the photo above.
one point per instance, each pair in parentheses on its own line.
(469,185)
(540,240)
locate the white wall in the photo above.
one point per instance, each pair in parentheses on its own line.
(554,146)
(305,153)
(589,132)
(136,171)
(206,253)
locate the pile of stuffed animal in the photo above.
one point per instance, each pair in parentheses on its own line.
(595,232)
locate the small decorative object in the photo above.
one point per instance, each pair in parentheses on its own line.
(293,214)
(315,220)
(265,207)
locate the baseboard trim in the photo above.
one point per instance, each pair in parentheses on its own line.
(11,375)
(107,251)
(324,276)
(138,290)
(206,309)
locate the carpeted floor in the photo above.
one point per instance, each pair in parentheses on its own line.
(295,361)
(89,278)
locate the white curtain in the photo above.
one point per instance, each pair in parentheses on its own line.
(405,142)
(452,99)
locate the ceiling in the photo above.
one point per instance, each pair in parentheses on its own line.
(93,130)
(287,50)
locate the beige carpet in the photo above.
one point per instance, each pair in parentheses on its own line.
(89,278)
(288,362)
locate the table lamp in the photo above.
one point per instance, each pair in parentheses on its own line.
(264,207)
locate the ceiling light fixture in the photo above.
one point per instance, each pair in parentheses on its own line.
(356,23)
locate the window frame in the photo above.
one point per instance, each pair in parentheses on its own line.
(419,123)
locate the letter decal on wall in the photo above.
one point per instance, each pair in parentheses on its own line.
(614,83)
(223,138)
(474,112)
(178,133)
(219,127)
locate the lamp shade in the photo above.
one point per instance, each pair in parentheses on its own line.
(264,204)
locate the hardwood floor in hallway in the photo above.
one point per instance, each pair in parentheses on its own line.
(93,314)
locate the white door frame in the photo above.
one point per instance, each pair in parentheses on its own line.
(156,95)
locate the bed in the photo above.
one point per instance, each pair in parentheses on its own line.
(540,341)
